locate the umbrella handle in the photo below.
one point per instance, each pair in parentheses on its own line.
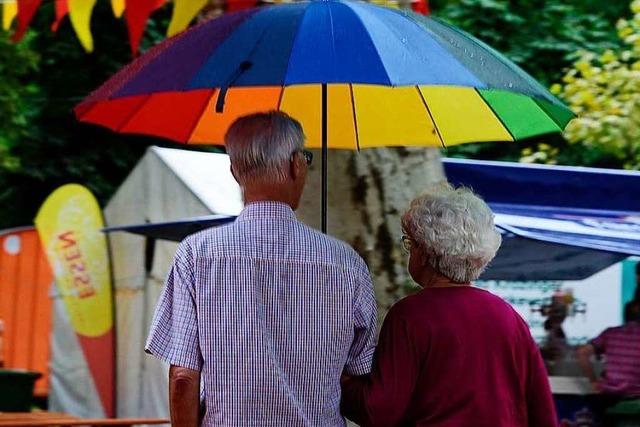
(325,150)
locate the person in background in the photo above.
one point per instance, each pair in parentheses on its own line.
(451,354)
(620,347)
(554,349)
(266,312)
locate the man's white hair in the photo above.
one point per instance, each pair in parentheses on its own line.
(455,230)
(260,146)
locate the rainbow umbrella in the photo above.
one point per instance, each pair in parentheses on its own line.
(356,75)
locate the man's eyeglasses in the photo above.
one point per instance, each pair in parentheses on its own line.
(308,156)
(407,243)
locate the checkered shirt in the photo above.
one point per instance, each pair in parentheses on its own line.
(271,312)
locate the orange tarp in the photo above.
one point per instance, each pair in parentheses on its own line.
(25,303)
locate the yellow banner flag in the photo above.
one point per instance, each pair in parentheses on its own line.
(80,15)
(183,13)
(9,12)
(118,7)
(70,224)
(70,227)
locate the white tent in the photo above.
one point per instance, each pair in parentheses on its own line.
(165,185)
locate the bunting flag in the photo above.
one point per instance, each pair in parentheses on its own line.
(183,13)
(118,7)
(421,6)
(9,12)
(62,9)
(236,5)
(70,227)
(136,13)
(26,10)
(80,14)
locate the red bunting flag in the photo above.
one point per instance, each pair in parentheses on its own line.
(62,9)
(26,10)
(421,6)
(236,5)
(136,13)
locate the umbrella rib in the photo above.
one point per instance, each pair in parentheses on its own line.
(293,46)
(496,115)
(279,105)
(133,113)
(433,120)
(548,115)
(199,116)
(355,118)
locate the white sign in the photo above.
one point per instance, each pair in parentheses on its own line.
(600,296)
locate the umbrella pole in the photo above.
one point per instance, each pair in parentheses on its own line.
(325,150)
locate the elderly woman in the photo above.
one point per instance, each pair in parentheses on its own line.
(451,354)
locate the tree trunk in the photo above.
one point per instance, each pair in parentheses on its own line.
(368,193)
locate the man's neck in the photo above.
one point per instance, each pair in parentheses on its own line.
(273,193)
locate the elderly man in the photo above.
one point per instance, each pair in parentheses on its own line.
(264,315)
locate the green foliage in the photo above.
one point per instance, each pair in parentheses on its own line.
(42,146)
(539,35)
(15,112)
(544,37)
(603,89)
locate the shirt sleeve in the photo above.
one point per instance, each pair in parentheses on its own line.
(365,316)
(174,331)
(599,343)
(383,397)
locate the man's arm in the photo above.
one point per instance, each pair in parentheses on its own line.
(365,314)
(583,355)
(184,396)
(382,397)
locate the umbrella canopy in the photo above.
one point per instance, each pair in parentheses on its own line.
(356,75)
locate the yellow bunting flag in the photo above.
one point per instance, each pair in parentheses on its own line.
(80,14)
(183,13)
(9,12)
(118,7)
(70,227)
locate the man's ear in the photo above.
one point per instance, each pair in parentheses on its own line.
(295,167)
(233,173)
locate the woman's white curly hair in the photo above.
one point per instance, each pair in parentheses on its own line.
(455,230)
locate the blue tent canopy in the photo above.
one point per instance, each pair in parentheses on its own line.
(558,223)
(174,230)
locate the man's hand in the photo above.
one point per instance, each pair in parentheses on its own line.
(184,396)
(596,386)
(344,378)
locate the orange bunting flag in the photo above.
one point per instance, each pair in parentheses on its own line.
(62,9)
(80,14)
(183,13)
(9,12)
(136,13)
(26,10)
(118,7)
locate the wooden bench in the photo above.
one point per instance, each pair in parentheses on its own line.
(19,419)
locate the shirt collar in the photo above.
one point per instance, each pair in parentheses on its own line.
(267,210)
